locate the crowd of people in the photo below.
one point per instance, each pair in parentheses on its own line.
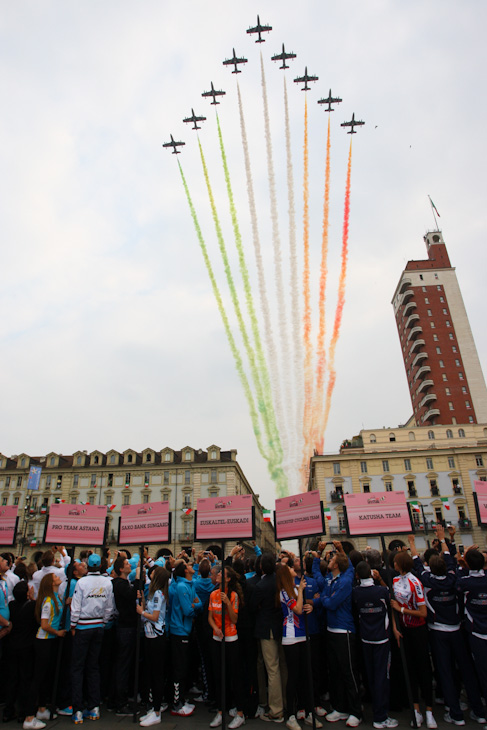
(308,639)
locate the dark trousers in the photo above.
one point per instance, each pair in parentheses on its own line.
(45,653)
(125,660)
(108,665)
(180,664)
(204,639)
(63,698)
(298,685)
(233,674)
(377,660)
(418,661)
(85,668)
(248,652)
(344,686)
(20,672)
(478,647)
(156,656)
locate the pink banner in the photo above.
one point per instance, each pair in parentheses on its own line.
(480,489)
(377,513)
(299,516)
(8,521)
(142,524)
(224,518)
(76,524)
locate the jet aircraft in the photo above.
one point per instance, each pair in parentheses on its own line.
(214,93)
(352,123)
(330,100)
(193,118)
(260,29)
(304,80)
(174,145)
(234,61)
(283,57)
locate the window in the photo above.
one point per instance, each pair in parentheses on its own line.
(187,500)
(388,486)
(167,456)
(59,481)
(145,499)
(438,350)
(213,454)
(429,312)
(110,480)
(432,325)
(412,437)
(187,455)
(95,460)
(450,335)
(442,364)
(464,390)
(431,435)
(363,467)
(460,376)
(447,391)
(450,405)
(407,464)
(52,461)
(130,458)
(213,476)
(444,376)
(148,458)
(213,493)
(93,480)
(336,468)
(426,300)
(48,480)
(461,433)
(78,460)
(451,462)
(478,460)
(165,497)
(7,482)
(449,434)
(108,500)
(442,299)
(467,404)
(448,323)
(385,465)
(457,363)
(112,459)
(187,476)
(438,514)
(73,500)
(372,438)
(22,463)
(453,349)
(166,477)
(429,463)
(470,419)
(19,481)
(392,437)
(4,501)
(127,479)
(445,312)
(126,499)
(435,338)
(146,478)
(366,488)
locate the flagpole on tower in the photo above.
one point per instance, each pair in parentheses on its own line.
(434,210)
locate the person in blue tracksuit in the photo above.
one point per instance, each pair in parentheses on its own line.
(204,586)
(372,603)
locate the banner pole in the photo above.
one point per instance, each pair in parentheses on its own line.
(401,645)
(224,684)
(63,621)
(309,668)
(138,587)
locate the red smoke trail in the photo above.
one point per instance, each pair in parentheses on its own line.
(308,375)
(341,296)
(318,435)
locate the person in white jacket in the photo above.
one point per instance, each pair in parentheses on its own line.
(92,606)
(48,566)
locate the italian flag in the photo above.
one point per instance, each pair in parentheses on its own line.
(327,513)
(266,513)
(415,506)
(84,503)
(58,500)
(446,503)
(43,509)
(187,510)
(35,541)
(434,207)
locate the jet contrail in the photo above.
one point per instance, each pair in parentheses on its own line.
(281,306)
(235,352)
(262,386)
(341,295)
(297,399)
(318,434)
(308,375)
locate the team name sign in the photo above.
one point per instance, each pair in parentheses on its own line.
(481,500)
(76,524)
(142,524)
(299,516)
(8,525)
(225,518)
(377,513)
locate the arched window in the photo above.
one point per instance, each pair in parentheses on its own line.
(412,437)
(213,454)
(187,456)
(148,457)
(112,459)
(431,435)
(167,456)
(95,460)
(461,433)
(373,440)
(449,433)
(392,437)
(129,458)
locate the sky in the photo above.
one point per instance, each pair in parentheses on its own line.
(110,334)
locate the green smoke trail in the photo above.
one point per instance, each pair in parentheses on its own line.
(235,352)
(268,412)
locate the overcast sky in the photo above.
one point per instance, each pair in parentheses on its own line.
(110,335)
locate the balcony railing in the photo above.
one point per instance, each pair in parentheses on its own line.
(428,398)
(405,284)
(336,497)
(416,345)
(414,333)
(409,307)
(457,490)
(435,491)
(407,294)
(420,356)
(412,492)
(432,413)
(425,385)
(422,372)
(465,524)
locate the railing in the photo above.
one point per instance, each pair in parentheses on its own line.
(457,490)
(435,491)
(412,492)
(336,497)
(465,524)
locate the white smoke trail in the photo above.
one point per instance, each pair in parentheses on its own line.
(281,304)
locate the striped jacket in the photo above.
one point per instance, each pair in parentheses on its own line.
(93,604)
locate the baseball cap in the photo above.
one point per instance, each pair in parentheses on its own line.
(94,560)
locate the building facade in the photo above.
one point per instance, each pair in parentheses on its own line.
(426,463)
(128,477)
(443,370)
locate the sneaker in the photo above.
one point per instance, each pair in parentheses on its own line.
(430,720)
(34,724)
(309,720)
(164,707)
(292,723)
(463,706)
(301,714)
(388,722)
(194,690)
(267,717)
(66,711)
(353,721)
(419,718)
(124,711)
(320,711)
(259,711)
(93,714)
(217,720)
(448,718)
(43,715)
(237,721)
(233,712)
(480,720)
(146,715)
(77,718)
(183,710)
(152,719)
(335,716)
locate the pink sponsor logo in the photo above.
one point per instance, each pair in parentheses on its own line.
(224,519)
(8,521)
(142,524)
(76,525)
(299,515)
(377,513)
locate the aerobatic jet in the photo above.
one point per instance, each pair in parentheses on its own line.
(193,118)
(352,123)
(174,145)
(330,100)
(214,93)
(283,57)
(304,80)
(260,29)
(234,61)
